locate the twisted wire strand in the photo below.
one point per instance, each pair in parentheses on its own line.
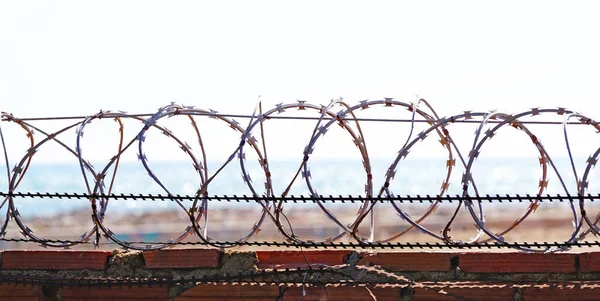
(408,199)
(553,246)
(240,116)
(272,208)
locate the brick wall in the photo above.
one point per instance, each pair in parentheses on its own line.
(185,274)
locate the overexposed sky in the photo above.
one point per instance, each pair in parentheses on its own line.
(77,57)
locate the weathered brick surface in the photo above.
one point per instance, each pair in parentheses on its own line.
(500,292)
(55,260)
(410,261)
(562,291)
(184,258)
(484,265)
(517,263)
(589,262)
(314,293)
(18,292)
(204,292)
(154,293)
(294,259)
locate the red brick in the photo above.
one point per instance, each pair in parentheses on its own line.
(114,293)
(589,262)
(230,292)
(295,259)
(316,293)
(183,258)
(562,291)
(271,292)
(498,293)
(410,261)
(54,260)
(517,262)
(18,292)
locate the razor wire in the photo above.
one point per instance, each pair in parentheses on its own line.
(99,182)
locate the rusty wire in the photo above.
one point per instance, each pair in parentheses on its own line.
(100,185)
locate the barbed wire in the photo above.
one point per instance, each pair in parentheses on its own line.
(308,118)
(495,198)
(332,245)
(99,182)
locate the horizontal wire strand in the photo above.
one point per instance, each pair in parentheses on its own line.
(245,116)
(516,198)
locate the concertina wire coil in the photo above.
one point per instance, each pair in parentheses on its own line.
(100,185)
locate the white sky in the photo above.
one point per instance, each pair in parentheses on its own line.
(77,57)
